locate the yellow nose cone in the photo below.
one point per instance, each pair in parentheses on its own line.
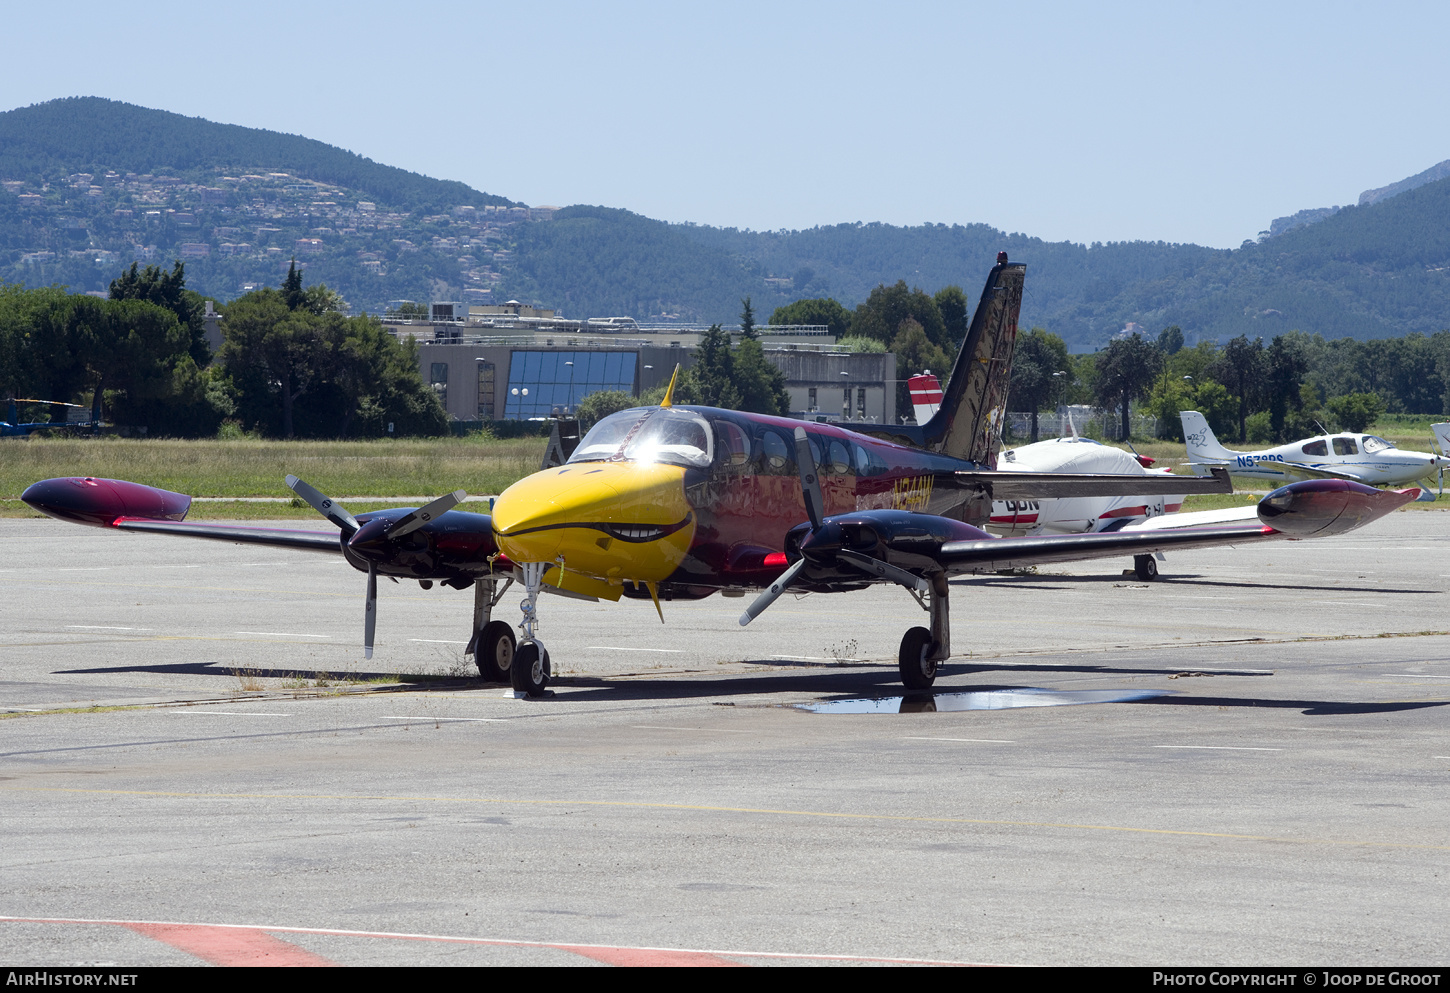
(611,520)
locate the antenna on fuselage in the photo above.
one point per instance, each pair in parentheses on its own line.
(669,400)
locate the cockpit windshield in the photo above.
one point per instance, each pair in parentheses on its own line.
(1374,444)
(649,434)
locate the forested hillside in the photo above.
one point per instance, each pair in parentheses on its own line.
(52,140)
(89,185)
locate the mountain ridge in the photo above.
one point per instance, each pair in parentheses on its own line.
(1364,271)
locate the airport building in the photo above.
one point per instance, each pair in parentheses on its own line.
(514,363)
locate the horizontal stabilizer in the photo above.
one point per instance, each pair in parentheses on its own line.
(1288,468)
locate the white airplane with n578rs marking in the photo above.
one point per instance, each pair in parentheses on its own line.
(1362,458)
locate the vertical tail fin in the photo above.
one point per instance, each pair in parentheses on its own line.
(968,425)
(925,390)
(1442,437)
(1202,445)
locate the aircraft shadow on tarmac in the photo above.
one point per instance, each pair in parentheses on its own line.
(1310,708)
(1049,582)
(842,683)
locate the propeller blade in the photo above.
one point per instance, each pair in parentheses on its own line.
(421,516)
(324,505)
(810,482)
(769,597)
(876,567)
(370,612)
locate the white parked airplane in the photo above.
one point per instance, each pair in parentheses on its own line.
(1058,515)
(1076,515)
(1363,458)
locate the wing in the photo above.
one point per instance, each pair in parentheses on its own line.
(306,541)
(1307,509)
(1036,485)
(848,551)
(993,555)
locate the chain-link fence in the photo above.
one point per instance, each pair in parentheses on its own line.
(1091,422)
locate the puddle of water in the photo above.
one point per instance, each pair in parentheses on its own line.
(927,703)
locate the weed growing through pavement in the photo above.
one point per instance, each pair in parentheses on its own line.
(248,682)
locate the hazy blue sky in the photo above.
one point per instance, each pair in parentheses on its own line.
(1089,122)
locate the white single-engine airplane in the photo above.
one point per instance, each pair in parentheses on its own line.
(1363,458)
(1066,515)
(682,502)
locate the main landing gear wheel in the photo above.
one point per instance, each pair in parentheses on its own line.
(918,671)
(1146,568)
(530,670)
(495,651)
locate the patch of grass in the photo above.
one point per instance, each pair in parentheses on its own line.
(248,467)
(76,710)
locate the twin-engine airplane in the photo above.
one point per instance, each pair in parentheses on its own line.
(1363,458)
(679,502)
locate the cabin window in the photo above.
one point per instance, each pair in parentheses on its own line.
(1345,446)
(1319,447)
(868,463)
(732,446)
(776,451)
(838,460)
(1374,444)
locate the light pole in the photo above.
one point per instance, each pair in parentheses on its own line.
(1058,376)
(846,396)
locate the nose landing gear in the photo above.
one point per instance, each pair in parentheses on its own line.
(530,670)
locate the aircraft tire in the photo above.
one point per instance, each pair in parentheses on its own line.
(495,651)
(1146,568)
(529,673)
(917,671)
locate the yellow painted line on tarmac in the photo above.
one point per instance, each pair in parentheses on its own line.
(705,808)
(29,581)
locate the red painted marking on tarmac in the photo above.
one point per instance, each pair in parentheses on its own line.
(230,945)
(260,937)
(637,957)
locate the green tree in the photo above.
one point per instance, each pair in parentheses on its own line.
(276,353)
(292,287)
(712,377)
(1038,357)
(1288,361)
(1356,411)
(1126,370)
(600,404)
(1240,367)
(1170,340)
(951,303)
(761,384)
(167,289)
(129,345)
(747,321)
(817,311)
(916,353)
(322,374)
(880,317)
